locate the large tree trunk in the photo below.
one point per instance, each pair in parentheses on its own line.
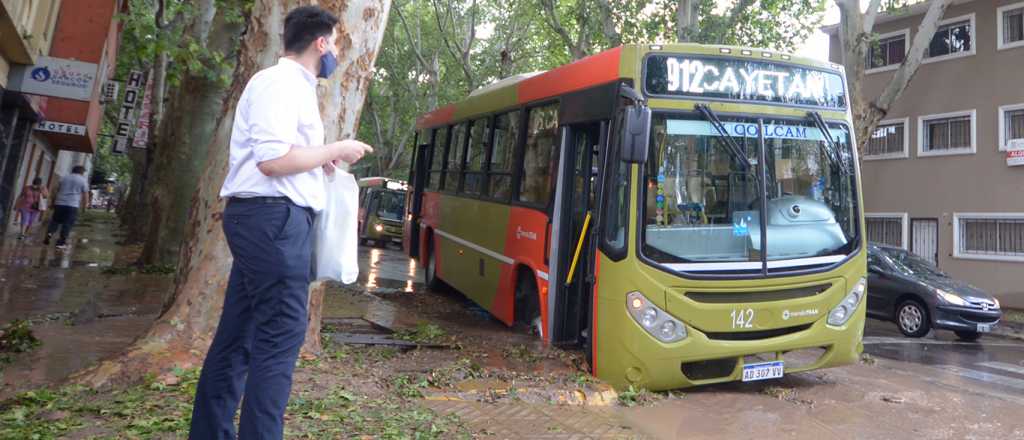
(134,204)
(180,148)
(856,36)
(181,335)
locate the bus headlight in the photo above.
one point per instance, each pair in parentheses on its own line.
(379,227)
(842,313)
(655,321)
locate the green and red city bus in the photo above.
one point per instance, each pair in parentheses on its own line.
(688,214)
(381,205)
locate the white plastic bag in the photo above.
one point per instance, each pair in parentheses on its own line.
(335,243)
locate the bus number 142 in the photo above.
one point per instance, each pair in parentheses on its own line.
(742,318)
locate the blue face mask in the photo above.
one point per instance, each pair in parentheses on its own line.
(328,62)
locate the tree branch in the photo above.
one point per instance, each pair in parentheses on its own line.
(901,79)
(552,21)
(871,15)
(415,42)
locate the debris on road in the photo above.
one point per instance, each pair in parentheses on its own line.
(893,399)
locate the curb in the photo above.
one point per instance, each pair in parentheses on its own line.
(1009,329)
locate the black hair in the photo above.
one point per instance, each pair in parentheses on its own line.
(37,181)
(78,169)
(304,25)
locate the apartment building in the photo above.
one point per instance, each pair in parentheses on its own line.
(56,56)
(938,176)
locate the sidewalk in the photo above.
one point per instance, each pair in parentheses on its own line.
(80,313)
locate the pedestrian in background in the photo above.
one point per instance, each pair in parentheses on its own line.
(30,205)
(275,185)
(72,194)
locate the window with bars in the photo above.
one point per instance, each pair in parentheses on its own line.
(886,230)
(887,140)
(951,38)
(1013,125)
(947,134)
(991,237)
(1012,21)
(887,52)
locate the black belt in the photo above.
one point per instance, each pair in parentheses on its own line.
(280,199)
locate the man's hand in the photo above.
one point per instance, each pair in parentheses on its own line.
(301,159)
(350,150)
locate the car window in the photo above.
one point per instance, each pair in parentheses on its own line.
(911,264)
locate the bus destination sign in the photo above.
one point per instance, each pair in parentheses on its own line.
(742,80)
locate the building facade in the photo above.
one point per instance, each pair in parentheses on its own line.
(56,56)
(936,175)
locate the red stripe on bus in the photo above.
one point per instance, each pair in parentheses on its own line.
(593,319)
(442,115)
(590,71)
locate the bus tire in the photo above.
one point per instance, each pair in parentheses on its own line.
(430,265)
(527,302)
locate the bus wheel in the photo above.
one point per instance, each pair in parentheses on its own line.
(430,266)
(527,306)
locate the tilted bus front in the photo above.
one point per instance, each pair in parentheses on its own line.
(689,214)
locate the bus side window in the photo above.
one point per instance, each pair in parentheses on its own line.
(475,157)
(540,160)
(437,158)
(456,153)
(506,133)
(616,212)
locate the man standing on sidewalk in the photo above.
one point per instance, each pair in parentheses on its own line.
(72,194)
(274,186)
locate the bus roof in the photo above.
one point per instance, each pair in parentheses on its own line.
(602,68)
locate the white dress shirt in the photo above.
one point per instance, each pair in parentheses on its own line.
(278,110)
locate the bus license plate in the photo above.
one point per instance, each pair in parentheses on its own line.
(984,328)
(762,371)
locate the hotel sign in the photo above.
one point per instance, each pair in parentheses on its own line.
(60,127)
(126,115)
(56,77)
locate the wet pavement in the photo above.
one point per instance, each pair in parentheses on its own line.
(935,387)
(79,313)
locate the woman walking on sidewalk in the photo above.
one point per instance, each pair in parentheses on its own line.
(30,205)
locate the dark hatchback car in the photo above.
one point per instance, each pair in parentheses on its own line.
(917,296)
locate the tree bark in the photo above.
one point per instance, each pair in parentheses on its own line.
(687,20)
(182,334)
(180,148)
(855,35)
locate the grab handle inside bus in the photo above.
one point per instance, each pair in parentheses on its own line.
(636,130)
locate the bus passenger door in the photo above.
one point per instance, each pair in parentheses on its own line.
(569,286)
(414,201)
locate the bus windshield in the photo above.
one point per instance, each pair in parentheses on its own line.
(392,203)
(703,210)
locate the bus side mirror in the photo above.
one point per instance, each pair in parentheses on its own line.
(636,131)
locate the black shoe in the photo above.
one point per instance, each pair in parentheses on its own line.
(46,240)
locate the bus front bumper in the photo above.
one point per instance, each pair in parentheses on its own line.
(636,358)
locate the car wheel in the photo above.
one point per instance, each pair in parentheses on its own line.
(912,319)
(966,335)
(430,267)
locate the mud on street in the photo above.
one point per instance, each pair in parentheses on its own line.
(402,362)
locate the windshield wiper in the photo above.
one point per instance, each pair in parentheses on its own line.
(832,149)
(730,143)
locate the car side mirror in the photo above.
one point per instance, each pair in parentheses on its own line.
(636,131)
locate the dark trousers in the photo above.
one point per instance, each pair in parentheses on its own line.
(263,324)
(64,217)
